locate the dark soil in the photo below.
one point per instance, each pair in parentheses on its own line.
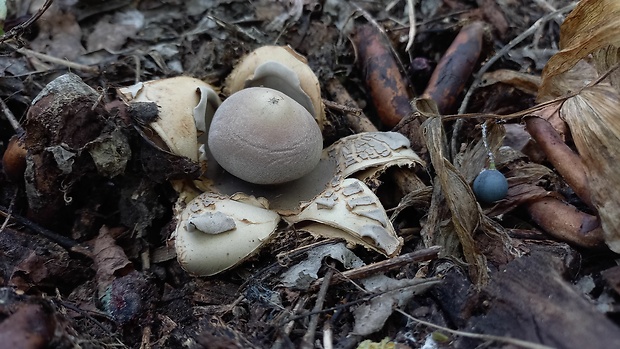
(90,263)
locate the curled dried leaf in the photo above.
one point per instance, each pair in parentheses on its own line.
(591,29)
(460,199)
(594,120)
(590,38)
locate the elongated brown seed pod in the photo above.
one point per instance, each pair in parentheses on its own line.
(455,68)
(386,85)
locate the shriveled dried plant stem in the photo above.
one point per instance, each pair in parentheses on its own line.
(382,267)
(55,60)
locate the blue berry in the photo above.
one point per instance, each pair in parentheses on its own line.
(490,186)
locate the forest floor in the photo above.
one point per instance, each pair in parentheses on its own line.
(87,257)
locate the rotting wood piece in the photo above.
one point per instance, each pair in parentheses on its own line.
(530,299)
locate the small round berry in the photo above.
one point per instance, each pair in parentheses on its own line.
(490,186)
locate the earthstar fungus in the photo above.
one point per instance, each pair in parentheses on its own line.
(236,214)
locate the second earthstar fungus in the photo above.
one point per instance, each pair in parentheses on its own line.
(223,220)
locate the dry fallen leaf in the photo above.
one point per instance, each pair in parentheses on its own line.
(301,275)
(459,198)
(371,316)
(590,29)
(590,41)
(109,259)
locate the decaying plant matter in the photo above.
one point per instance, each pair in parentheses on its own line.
(264,174)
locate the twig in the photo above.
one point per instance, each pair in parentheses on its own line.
(18,30)
(87,314)
(514,42)
(383,266)
(57,238)
(19,130)
(233,28)
(55,60)
(545,5)
(364,299)
(412,24)
(307,342)
(340,107)
(137,64)
(289,323)
(507,340)
(358,122)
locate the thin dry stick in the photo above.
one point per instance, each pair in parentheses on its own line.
(423,282)
(18,30)
(412,24)
(514,42)
(290,322)
(57,238)
(55,60)
(307,342)
(545,5)
(87,314)
(137,64)
(5,223)
(11,118)
(358,122)
(383,266)
(488,337)
(478,76)
(343,108)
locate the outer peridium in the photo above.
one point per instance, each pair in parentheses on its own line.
(215,232)
(186,106)
(282,69)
